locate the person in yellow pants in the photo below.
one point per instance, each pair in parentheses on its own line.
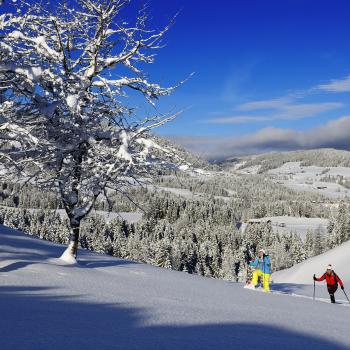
(262,265)
(265,278)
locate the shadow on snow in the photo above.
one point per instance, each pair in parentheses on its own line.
(10,239)
(42,318)
(32,317)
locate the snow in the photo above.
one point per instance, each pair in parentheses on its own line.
(183,192)
(31,72)
(299,225)
(186,193)
(123,152)
(73,103)
(302,273)
(238,165)
(6,47)
(109,303)
(39,42)
(130,217)
(331,190)
(252,170)
(16,129)
(341,171)
(184,167)
(16,34)
(67,257)
(43,48)
(201,172)
(309,179)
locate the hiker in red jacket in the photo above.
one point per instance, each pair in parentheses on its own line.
(332,280)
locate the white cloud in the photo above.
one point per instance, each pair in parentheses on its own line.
(265,104)
(284,111)
(334,134)
(336,85)
(238,119)
(286,107)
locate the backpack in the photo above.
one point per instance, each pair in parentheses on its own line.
(264,261)
(336,277)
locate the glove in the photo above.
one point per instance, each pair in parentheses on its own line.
(314,277)
(342,287)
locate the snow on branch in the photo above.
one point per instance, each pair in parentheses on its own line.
(64,122)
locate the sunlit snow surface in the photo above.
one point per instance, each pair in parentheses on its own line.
(109,303)
(309,179)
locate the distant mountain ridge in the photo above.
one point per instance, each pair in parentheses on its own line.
(324,157)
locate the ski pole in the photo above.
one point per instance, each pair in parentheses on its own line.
(346,296)
(264,271)
(314,288)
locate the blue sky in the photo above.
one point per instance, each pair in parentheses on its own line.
(261,67)
(269,75)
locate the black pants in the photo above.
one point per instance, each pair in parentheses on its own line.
(331,290)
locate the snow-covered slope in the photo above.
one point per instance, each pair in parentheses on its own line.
(299,225)
(109,303)
(302,273)
(310,178)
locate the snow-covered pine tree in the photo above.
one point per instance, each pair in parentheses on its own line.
(297,250)
(309,243)
(65,70)
(318,241)
(341,227)
(162,254)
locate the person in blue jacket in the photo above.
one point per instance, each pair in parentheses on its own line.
(262,265)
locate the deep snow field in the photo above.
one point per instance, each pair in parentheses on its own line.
(109,303)
(309,179)
(298,225)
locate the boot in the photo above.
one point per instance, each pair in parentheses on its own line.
(332,298)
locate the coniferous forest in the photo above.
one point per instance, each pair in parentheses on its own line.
(196,231)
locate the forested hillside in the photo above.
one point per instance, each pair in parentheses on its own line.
(190,222)
(326,157)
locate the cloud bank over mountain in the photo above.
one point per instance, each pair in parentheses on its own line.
(334,134)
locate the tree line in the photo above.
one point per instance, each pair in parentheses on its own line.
(185,235)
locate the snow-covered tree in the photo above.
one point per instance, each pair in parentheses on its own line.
(309,243)
(65,122)
(318,241)
(297,250)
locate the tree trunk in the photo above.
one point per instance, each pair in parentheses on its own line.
(70,254)
(74,237)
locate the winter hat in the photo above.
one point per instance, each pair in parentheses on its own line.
(262,250)
(329,267)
